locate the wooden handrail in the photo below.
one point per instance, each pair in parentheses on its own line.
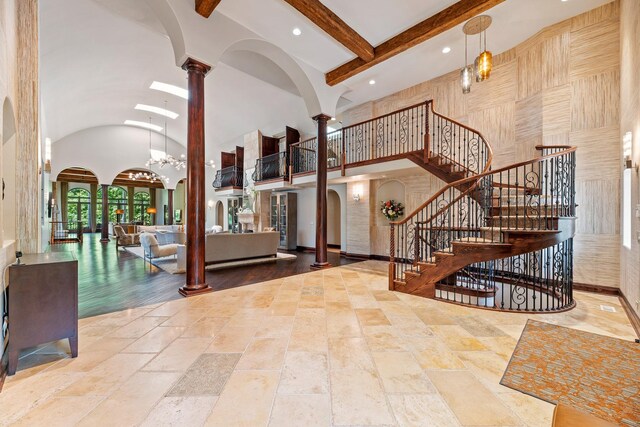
(476,178)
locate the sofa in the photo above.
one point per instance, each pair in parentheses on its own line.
(165,234)
(225,247)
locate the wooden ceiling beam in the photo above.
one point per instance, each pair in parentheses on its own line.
(331,24)
(440,22)
(206,7)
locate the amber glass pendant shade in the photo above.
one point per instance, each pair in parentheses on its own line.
(484,65)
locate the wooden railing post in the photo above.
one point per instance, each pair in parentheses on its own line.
(343,153)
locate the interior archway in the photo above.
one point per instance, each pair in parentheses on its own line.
(219,214)
(333,220)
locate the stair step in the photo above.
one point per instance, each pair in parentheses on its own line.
(400,283)
(522,222)
(482,293)
(412,273)
(428,262)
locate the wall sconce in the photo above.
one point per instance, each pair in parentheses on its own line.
(627,150)
(357,192)
(210,204)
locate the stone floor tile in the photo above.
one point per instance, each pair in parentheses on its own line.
(246,400)
(304,373)
(357,398)
(207,376)
(308,411)
(180,411)
(418,410)
(471,402)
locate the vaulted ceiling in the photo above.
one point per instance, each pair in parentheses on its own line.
(98,58)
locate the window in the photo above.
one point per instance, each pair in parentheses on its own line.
(141,201)
(78,206)
(117,200)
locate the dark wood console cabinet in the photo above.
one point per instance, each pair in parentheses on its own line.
(42,302)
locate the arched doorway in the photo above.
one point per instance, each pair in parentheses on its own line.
(220,214)
(74,197)
(334,240)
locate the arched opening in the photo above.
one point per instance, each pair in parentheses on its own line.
(8,171)
(334,210)
(180,202)
(219,214)
(117,199)
(74,198)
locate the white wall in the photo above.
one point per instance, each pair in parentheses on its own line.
(307,216)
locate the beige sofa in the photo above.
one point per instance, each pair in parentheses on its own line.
(165,234)
(225,247)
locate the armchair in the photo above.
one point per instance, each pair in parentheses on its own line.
(124,239)
(153,250)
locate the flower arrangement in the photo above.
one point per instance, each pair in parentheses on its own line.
(392,210)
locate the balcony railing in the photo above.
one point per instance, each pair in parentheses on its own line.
(303,154)
(231,176)
(274,166)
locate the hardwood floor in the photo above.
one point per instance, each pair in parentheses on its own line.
(110,281)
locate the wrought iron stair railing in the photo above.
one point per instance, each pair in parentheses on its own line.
(416,130)
(231,176)
(509,226)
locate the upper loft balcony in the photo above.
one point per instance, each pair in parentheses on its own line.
(272,168)
(229,179)
(378,145)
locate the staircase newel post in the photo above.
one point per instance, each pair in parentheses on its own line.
(392,263)
(427,134)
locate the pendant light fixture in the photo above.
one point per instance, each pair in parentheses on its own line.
(151,160)
(483,63)
(466,74)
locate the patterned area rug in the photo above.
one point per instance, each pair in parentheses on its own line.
(170,263)
(592,372)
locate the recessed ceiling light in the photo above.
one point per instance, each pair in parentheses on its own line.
(157,110)
(563,0)
(297,31)
(372,82)
(173,90)
(145,125)
(446,49)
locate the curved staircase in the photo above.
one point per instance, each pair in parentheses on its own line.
(499,239)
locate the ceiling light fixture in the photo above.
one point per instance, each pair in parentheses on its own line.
(466,74)
(446,49)
(143,125)
(173,90)
(296,31)
(372,82)
(483,64)
(147,176)
(157,110)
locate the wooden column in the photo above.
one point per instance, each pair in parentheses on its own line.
(170,205)
(105,214)
(64,193)
(321,194)
(196,205)
(131,191)
(93,207)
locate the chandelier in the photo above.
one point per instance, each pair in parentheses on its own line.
(483,64)
(148,176)
(168,159)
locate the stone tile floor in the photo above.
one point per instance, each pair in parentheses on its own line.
(325,348)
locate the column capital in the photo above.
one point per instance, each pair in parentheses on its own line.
(321,116)
(194,65)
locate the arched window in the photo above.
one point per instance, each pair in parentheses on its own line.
(141,201)
(78,203)
(117,200)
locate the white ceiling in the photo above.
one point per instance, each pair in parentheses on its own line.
(99,57)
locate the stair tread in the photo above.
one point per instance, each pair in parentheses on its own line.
(479,240)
